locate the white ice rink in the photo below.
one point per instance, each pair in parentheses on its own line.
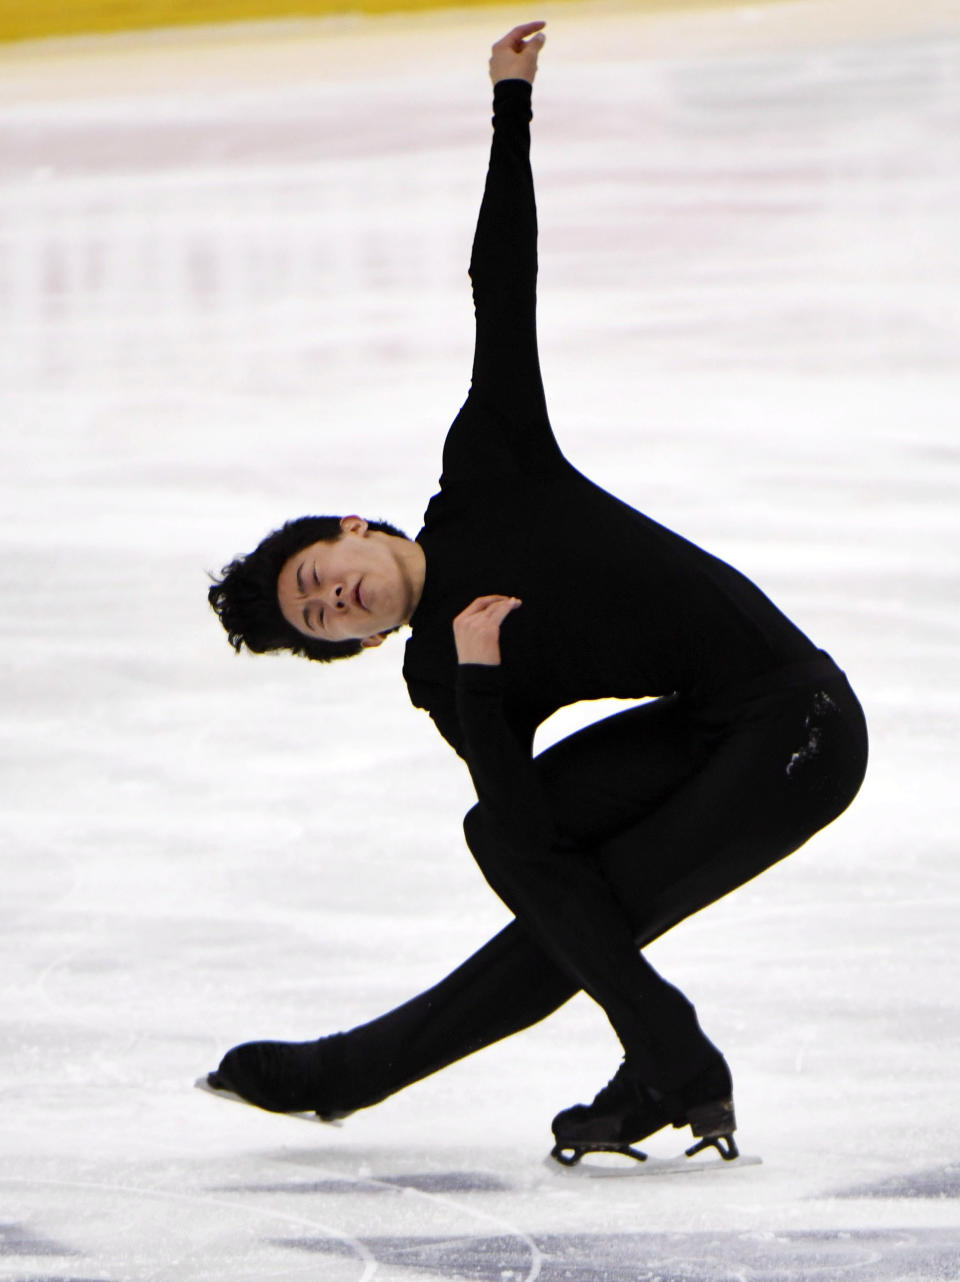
(233,284)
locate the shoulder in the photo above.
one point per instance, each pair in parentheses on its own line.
(486,443)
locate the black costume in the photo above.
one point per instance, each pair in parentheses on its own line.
(753,742)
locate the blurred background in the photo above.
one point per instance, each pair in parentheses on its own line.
(233,251)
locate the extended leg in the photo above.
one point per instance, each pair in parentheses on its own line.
(511,982)
(507,985)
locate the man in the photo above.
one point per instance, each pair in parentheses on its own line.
(527,589)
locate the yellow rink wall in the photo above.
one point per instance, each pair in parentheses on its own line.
(38,19)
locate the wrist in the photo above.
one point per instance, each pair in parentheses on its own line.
(480,678)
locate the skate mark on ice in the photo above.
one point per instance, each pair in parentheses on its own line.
(345,1244)
(793,1256)
(427,1182)
(526,1257)
(60,1277)
(935,1182)
(481,1259)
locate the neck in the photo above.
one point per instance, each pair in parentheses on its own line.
(414,562)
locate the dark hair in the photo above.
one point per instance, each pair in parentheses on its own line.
(245,597)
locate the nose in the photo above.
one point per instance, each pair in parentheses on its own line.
(329,592)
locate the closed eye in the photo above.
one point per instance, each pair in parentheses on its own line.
(317,624)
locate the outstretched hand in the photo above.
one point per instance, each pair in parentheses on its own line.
(514,56)
(476,629)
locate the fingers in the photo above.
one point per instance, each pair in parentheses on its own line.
(481,601)
(514,57)
(515,39)
(495,603)
(476,630)
(494,614)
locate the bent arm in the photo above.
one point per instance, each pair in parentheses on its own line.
(500,762)
(498,754)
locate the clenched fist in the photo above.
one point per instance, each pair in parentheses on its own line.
(476,629)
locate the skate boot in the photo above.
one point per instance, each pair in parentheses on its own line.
(282,1077)
(626,1111)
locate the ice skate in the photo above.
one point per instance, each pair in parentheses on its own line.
(281,1077)
(626,1112)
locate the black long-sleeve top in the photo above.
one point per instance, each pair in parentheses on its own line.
(614,605)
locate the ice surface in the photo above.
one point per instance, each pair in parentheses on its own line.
(233,273)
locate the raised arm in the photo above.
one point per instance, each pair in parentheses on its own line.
(503,267)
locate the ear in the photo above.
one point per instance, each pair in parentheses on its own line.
(353,525)
(371,643)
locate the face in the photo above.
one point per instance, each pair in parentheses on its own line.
(356,589)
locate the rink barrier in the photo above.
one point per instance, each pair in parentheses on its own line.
(40,19)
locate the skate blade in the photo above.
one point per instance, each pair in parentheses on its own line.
(616,1166)
(202,1084)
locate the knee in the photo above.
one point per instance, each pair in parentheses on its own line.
(487,847)
(476,831)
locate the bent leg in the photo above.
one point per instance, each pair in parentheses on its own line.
(776,777)
(627,767)
(600,781)
(564,899)
(507,985)
(762,779)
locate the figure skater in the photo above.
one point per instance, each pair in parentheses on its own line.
(530,588)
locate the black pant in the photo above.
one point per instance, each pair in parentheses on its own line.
(661,810)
